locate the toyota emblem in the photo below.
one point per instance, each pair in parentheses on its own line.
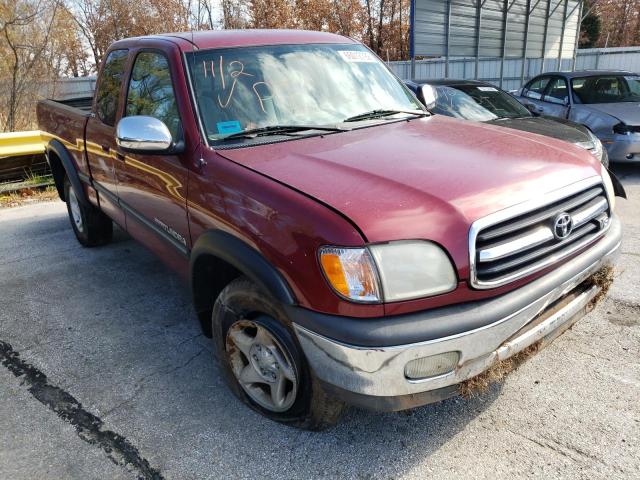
(562,226)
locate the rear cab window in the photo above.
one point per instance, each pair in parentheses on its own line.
(109,87)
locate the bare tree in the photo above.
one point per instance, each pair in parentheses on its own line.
(234,14)
(102,22)
(620,22)
(26,30)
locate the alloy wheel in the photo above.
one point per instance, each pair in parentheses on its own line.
(261,365)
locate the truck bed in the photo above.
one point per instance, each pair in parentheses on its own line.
(80,103)
(65,121)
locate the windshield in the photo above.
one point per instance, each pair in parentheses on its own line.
(607,89)
(480,103)
(242,89)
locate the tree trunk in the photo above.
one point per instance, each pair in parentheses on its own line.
(381,17)
(370,24)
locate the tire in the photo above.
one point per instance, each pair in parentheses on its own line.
(91,227)
(243,307)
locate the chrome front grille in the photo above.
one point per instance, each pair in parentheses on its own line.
(524,239)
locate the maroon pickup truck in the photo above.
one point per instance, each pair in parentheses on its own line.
(343,245)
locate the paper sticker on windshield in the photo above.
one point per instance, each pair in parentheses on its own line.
(487,89)
(357,56)
(229,127)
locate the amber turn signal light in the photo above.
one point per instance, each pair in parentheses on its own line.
(351,273)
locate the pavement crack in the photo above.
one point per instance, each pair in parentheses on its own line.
(186,364)
(572,453)
(163,370)
(189,339)
(88,427)
(124,402)
(33,257)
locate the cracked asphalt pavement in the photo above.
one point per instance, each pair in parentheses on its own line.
(104,374)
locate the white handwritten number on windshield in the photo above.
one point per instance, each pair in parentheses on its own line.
(236,68)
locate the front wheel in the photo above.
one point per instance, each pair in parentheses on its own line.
(262,361)
(90,225)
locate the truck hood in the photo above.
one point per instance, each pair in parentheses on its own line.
(427,178)
(627,112)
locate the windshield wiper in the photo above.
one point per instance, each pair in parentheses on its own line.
(279,130)
(379,113)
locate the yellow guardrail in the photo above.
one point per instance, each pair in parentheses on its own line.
(15,144)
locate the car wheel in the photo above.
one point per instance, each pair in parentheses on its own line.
(90,225)
(262,361)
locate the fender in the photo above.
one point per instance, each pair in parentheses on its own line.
(243,258)
(62,153)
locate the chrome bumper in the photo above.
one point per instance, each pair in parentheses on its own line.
(380,371)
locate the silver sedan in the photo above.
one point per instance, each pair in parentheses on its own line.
(606,102)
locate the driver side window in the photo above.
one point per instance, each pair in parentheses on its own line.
(558,92)
(151,91)
(535,89)
(108,92)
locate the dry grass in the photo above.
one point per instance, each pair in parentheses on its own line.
(29,195)
(603,278)
(480,383)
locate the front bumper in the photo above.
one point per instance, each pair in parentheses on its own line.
(483,333)
(624,148)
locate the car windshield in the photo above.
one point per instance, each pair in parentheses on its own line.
(607,89)
(480,103)
(261,89)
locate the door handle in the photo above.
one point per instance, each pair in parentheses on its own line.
(105,148)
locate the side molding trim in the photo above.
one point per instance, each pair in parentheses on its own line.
(178,245)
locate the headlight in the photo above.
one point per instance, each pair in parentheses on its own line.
(413,269)
(597,145)
(608,186)
(390,272)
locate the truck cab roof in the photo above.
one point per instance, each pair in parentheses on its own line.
(237,38)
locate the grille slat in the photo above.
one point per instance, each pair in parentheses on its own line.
(504,228)
(517,261)
(530,241)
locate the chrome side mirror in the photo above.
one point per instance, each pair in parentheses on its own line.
(429,96)
(143,134)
